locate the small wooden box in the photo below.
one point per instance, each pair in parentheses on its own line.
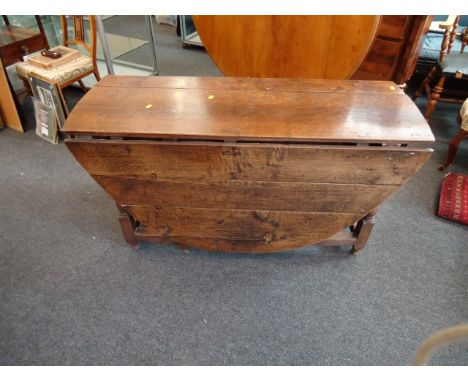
(68,54)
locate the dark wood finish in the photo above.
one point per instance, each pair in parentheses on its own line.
(288,196)
(363,230)
(395,50)
(128,224)
(437,93)
(246,230)
(332,113)
(251,84)
(381,61)
(393,27)
(342,238)
(172,183)
(287,46)
(199,162)
(414,40)
(345,237)
(16,42)
(465,40)
(165,195)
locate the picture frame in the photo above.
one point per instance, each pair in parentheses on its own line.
(46,121)
(50,94)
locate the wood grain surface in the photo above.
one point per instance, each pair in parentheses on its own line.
(257,110)
(200,162)
(395,50)
(275,196)
(250,84)
(238,230)
(244,197)
(287,46)
(190,160)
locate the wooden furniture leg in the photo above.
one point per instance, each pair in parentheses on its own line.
(128,228)
(435,95)
(425,83)
(453,148)
(27,86)
(96,74)
(363,230)
(83,87)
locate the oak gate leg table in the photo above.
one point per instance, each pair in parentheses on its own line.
(246,164)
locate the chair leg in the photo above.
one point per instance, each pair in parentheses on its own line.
(435,96)
(425,82)
(63,95)
(27,85)
(453,148)
(82,85)
(96,74)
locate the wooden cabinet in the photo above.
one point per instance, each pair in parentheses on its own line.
(395,50)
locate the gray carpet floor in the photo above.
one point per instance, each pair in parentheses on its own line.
(72,292)
(171,57)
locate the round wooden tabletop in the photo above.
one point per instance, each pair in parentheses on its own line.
(287,46)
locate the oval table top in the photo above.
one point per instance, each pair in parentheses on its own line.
(249,109)
(287,46)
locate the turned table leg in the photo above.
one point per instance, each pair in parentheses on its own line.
(435,96)
(425,83)
(363,230)
(128,227)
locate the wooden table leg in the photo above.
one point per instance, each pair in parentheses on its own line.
(363,230)
(128,227)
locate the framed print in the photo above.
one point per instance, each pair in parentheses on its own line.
(46,122)
(50,94)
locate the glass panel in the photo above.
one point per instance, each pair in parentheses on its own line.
(23,21)
(130,42)
(53,29)
(190,35)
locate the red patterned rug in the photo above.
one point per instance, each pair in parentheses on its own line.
(453,203)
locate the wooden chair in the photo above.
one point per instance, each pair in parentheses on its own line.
(450,65)
(73,71)
(462,134)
